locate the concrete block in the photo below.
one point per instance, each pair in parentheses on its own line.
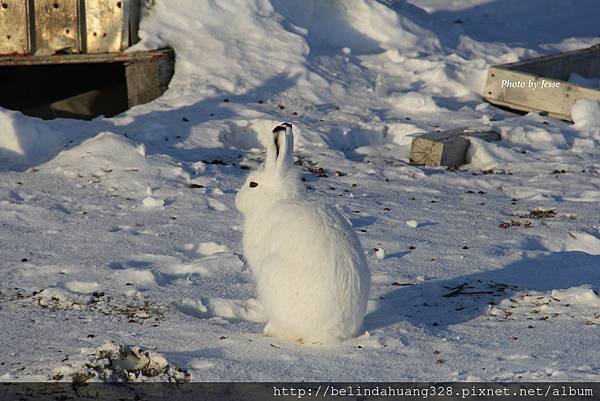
(447,148)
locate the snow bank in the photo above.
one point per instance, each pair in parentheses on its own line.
(586,115)
(235,309)
(482,155)
(534,136)
(579,303)
(583,295)
(575,241)
(224,46)
(263,47)
(119,166)
(26,141)
(357,27)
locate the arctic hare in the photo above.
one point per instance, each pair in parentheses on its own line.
(310,269)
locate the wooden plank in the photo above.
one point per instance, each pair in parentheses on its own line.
(556,99)
(540,84)
(104,22)
(585,62)
(166,69)
(143,82)
(14,22)
(447,148)
(140,56)
(57,26)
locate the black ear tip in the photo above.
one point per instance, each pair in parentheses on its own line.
(278,128)
(288,125)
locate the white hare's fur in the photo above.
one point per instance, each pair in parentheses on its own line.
(311,272)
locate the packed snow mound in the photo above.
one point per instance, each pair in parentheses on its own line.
(575,241)
(235,309)
(482,155)
(25,141)
(121,167)
(225,46)
(534,136)
(261,46)
(579,303)
(586,116)
(583,295)
(453,5)
(357,26)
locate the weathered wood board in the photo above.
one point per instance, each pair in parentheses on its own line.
(447,148)
(140,56)
(142,82)
(540,84)
(14,31)
(148,80)
(57,26)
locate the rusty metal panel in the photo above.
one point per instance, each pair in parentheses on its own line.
(106,25)
(14,23)
(57,26)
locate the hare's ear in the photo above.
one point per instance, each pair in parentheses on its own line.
(285,145)
(272,149)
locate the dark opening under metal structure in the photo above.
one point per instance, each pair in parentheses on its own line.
(83,85)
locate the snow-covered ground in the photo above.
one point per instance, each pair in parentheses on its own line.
(122,233)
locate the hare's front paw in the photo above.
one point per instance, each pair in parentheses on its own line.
(272,331)
(269,330)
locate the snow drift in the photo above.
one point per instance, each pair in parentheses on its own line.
(25,141)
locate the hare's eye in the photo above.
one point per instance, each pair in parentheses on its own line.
(253,184)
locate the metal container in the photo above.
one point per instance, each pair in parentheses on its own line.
(14,27)
(45,27)
(57,26)
(110,26)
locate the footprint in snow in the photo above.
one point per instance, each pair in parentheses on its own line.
(232,309)
(152,202)
(83,287)
(206,248)
(210,248)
